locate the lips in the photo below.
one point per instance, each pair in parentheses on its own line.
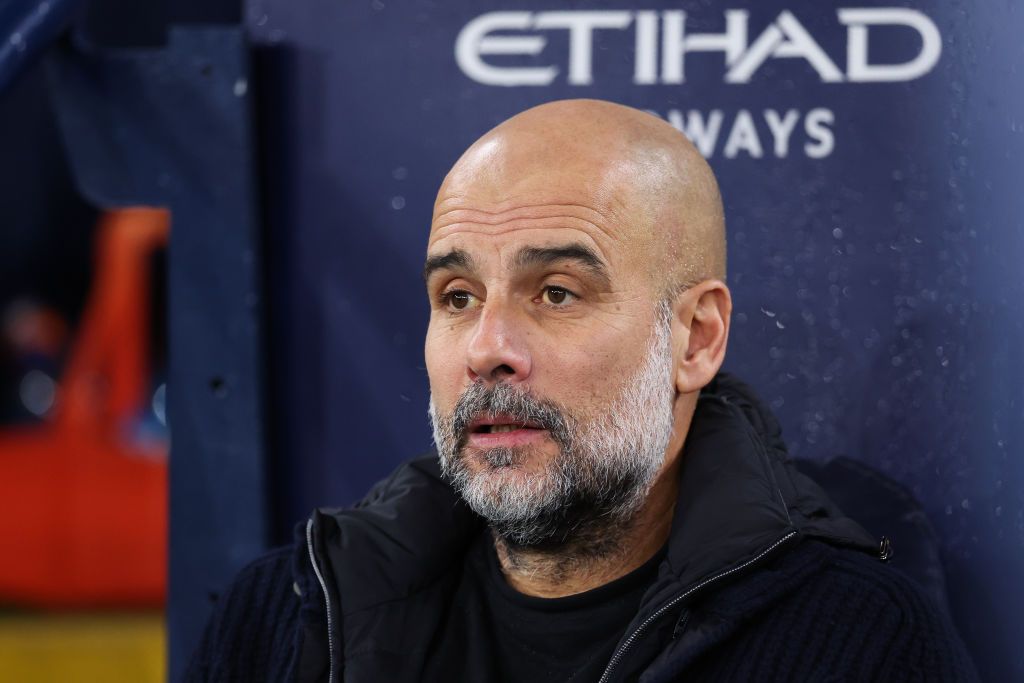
(500,424)
(504,431)
(498,429)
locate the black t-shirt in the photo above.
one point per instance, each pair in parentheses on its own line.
(495,633)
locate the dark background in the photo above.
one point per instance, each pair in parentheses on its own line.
(878,290)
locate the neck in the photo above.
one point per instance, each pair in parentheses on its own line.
(598,556)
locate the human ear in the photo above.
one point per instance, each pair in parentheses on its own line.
(700,332)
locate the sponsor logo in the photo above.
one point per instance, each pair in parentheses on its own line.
(664,61)
(757,134)
(487,47)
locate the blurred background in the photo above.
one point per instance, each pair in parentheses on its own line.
(212,223)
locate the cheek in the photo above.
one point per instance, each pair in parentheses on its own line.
(586,373)
(443,356)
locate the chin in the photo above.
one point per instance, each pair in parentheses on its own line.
(516,462)
(497,491)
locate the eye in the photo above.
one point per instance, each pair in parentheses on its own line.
(459,300)
(556,296)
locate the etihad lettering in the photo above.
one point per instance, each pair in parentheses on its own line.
(663,43)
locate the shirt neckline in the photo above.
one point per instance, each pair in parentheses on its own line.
(643,575)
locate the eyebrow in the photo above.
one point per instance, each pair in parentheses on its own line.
(525,258)
(456,258)
(544,256)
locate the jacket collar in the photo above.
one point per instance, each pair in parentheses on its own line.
(738,495)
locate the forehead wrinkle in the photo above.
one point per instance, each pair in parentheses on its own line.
(515,207)
(510,210)
(517,224)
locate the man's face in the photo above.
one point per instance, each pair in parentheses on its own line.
(542,289)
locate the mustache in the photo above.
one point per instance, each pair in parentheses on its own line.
(481,402)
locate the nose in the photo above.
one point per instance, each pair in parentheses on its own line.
(498,351)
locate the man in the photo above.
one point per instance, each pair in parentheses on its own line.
(603,507)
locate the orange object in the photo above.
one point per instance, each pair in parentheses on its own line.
(83,506)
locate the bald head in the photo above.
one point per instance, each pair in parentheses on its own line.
(574,262)
(641,175)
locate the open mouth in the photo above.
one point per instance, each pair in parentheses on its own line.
(501,425)
(498,429)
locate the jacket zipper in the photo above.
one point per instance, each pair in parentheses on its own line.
(621,652)
(327,599)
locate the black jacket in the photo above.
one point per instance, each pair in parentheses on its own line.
(763,579)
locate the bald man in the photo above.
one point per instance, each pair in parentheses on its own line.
(603,504)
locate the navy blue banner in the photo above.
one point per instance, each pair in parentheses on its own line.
(869,156)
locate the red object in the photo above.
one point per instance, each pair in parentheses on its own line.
(83,505)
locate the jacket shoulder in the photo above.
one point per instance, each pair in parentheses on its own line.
(251,634)
(823,612)
(906,633)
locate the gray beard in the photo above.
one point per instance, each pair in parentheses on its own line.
(588,494)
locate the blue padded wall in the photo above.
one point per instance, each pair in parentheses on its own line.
(171,125)
(871,182)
